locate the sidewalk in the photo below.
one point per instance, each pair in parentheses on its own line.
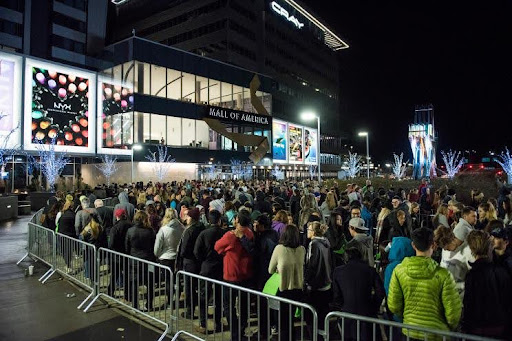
(32,311)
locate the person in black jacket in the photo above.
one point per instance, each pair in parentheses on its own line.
(211,267)
(139,243)
(487,296)
(295,205)
(188,259)
(261,204)
(116,241)
(66,226)
(502,245)
(400,229)
(357,289)
(317,275)
(105,214)
(336,236)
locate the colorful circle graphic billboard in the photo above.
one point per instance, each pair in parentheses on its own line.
(279,141)
(116,117)
(296,143)
(61,107)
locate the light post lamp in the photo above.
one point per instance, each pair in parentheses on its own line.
(309,116)
(134,147)
(365,134)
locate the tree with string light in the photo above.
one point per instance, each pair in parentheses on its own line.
(108,166)
(51,163)
(399,167)
(354,165)
(161,162)
(453,161)
(506,164)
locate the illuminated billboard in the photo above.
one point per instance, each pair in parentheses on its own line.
(115,103)
(279,141)
(310,146)
(10,100)
(60,105)
(295,143)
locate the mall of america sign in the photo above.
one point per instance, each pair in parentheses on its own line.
(234,116)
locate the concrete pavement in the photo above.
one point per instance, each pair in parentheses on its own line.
(32,311)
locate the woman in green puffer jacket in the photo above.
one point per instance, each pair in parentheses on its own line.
(422,292)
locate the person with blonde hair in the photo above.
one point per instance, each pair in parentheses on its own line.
(94,234)
(486,213)
(308,206)
(441,217)
(317,274)
(488,299)
(168,238)
(328,206)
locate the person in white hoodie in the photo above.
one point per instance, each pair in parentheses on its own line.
(456,255)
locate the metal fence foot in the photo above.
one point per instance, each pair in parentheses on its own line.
(90,304)
(22,259)
(47,276)
(84,301)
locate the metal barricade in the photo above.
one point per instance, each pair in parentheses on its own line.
(36,218)
(76,260)
(124,279)
(245,313)
(361,328)
(41,247)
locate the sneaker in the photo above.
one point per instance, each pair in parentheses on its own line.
(69,270)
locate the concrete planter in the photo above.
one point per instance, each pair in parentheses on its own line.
(38,199)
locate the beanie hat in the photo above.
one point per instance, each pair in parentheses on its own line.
(119,212)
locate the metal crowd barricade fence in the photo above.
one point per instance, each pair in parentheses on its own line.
(76,260)
(361,328)
(125,279)
(41,247)
(36,218)
(249,314)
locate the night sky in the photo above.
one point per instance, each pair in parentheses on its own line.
(453,54)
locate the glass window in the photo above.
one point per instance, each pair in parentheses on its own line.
(146,119)
(214,141)
(173,84)
(202,134)
(227,95)
(117,73)
(128,72)
(201,90)
(247,106)
(214,93)
(238,97)
(173,131)
(189,87)
(158,128)
(158,82)
(142,84)
(188,132)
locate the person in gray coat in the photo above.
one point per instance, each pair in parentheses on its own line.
(124,204)
(83,217)
(361,240)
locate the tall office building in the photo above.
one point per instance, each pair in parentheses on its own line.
(279,38)
(69,31)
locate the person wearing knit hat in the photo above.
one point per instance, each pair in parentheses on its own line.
(119,212)
(194,214)
(69,197)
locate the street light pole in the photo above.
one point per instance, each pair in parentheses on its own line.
(318,150)
(366,135)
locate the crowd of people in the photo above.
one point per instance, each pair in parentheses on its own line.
(372,252)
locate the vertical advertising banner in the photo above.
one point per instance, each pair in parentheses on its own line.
(115,133)
(10,100)
(59,104)
(310,146)
(279,142)
(296,143)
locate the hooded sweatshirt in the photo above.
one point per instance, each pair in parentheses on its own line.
(124,203)
(319,264)
(424,294)
(365,244)
(401,247)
